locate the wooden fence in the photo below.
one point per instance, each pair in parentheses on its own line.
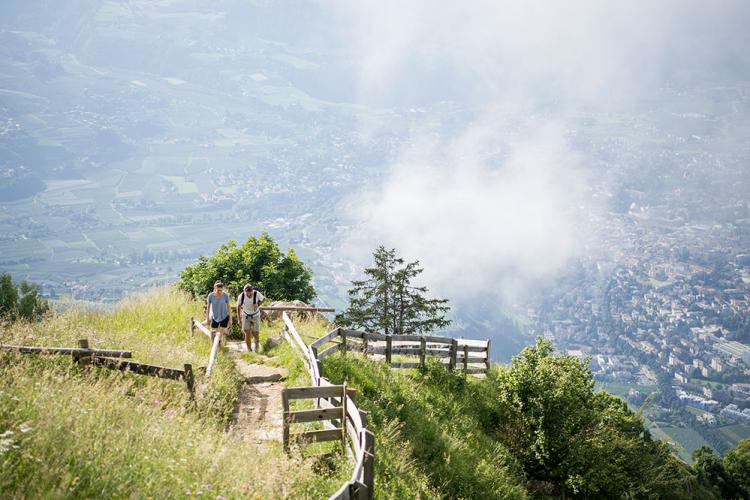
(336,415)
(110,358)
(471,356)
(352,423)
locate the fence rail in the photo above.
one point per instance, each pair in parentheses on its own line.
(472,356)
(335,401)
(334,414)
(110,358)
(214,337)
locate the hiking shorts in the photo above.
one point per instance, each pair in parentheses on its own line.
(251,323)
(223,323)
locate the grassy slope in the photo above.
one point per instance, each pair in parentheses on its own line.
(67,431)
(432,437)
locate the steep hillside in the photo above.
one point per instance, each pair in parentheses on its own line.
(67,431)
(535,428)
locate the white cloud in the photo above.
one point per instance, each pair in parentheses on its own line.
(484,212)
(493,208)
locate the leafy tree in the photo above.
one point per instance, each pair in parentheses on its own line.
(737,465)
(31,306)
(258,261)
(711,472)
(572,440)
(387,301)
(8,297)
(22,301)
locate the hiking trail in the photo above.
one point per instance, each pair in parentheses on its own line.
(257,415)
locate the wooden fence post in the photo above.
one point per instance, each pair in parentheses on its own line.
(487,361)
(368,472)
(343,418)
(352,393)
(285,409)
(343,341)
(192,326)
(454,353)
(364,343)
(190,379)
(422,351)
(466,358)
(82,359)
(388,346)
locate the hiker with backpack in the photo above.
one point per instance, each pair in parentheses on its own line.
(248,308)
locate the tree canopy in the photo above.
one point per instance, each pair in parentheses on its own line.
(258,261)
(572,440)
(388,302)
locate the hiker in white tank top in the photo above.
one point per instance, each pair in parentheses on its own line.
(248,310)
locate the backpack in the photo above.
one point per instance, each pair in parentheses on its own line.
(255,302)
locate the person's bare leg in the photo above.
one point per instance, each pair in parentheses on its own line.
(256,338)
(248,340)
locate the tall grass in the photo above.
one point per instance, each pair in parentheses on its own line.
(68,431)
(433,436)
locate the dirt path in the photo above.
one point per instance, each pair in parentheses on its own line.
(257,416)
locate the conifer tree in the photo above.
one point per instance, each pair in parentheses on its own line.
(387,302)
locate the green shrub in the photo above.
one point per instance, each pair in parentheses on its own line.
(258,261)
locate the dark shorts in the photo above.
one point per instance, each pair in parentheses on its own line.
(223,323)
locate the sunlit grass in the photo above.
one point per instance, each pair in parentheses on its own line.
(433,438)
(68,431)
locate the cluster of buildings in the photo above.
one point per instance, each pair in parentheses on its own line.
(676,301)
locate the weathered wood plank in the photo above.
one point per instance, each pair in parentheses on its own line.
(189,379)
(410,351)
(422,353)
(316,415)
(317,436)
(68,351)
(454,354)
(472,348)
(353,435)
(377,336)
(438,340)
(202,328)
(285,408)
(487,361)
(212,356)
(368,469)
(328,352)
(296,339)
(410,338)
(352,334)
(343,493)
(313,392)
(140,368)
(327,338)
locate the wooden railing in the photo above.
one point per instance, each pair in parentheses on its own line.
(471,356)
(215,339)
(359,440)
(335,415)
(110,358)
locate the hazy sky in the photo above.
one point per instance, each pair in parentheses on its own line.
(501,204)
